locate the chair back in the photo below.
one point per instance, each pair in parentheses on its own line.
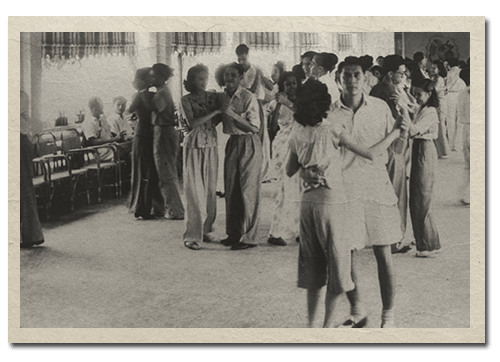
(70,140)
(45,144)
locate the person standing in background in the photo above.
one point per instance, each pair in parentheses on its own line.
(464,118)
(454,85)
(438,74)
(394,74)
(31,229)
(252,78)
(166,146)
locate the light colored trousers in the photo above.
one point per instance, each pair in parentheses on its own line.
(200,183)
(166,146)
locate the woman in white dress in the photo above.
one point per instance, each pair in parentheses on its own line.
(285,223)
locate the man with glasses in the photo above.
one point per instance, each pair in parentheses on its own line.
(389,91)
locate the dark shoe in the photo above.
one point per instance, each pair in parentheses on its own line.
(400,248)
(297,239)
(242,246)
(144,217)
(351,324)
(220,193)
(276,241)
(30,245)
(193,245)
(174,217)
(229,241)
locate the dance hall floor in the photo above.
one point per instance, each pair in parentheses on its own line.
(101,268)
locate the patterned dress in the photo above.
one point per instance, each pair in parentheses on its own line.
(285,222)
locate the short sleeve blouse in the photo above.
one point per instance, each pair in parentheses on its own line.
(205,135)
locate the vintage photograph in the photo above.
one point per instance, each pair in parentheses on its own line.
(242,179)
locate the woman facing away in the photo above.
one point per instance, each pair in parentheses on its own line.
(285,223)
(145,183)
(201,158)
(327,226)
(424,130)
(438,75)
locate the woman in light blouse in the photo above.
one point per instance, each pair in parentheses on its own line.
(201,158)
(438,74)
(423,131)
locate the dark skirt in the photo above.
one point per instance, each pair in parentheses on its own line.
(145,184)
(423,166)
(31,229)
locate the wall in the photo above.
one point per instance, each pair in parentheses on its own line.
(447,44)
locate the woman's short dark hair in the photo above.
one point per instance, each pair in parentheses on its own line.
(191,76)
(376,68)
(312,102)
(309,54)
(219,72)
(453,62)
(465,75)
(418,56)
(392,63)
(428,86)
(163,70)
(326,60)
(299,72)
(442,70)
(142,78)
(283,77)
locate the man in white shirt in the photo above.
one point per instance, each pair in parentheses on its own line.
(252,77)
(243,160)
(97,130)
(464,118)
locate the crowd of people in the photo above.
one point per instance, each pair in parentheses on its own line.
(340,141)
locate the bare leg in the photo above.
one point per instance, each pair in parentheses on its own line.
(312,305)
(386,278)
(357,311)
(331,302)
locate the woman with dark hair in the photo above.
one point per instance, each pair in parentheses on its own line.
(285,223)
(271,85)
(438,75)
(145,183)
(201,158)
(423,131)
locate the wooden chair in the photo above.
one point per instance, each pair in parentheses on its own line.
(56,171)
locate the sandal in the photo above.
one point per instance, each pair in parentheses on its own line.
(193,245)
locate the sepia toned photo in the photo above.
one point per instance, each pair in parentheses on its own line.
(227,185)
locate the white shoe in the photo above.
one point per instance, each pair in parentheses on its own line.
(425,254)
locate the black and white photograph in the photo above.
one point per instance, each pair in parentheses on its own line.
(203,181)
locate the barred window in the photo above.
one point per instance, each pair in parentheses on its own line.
(345,41)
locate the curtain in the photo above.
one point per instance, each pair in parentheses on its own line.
(194,43)
(61,46)
(263,40)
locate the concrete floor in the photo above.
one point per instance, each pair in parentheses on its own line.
(99,267)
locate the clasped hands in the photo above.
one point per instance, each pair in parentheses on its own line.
(227,109)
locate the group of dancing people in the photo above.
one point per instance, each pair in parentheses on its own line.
(338,151)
